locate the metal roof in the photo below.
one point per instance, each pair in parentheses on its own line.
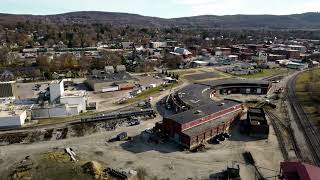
(197,130)
(236,82)
(6,90)
(299,171)
(195,95)
(202,111)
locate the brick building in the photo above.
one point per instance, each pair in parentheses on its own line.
(196,126)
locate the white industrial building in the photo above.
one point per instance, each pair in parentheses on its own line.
(62,103)
(14,118)
(56,90)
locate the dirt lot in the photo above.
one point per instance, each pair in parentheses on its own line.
(154,158)
(107,101)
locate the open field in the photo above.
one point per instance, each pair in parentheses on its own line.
(309,105)
(266,73)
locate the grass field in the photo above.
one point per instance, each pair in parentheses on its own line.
(266,73)
(309,105)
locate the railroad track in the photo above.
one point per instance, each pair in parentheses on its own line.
(311,134)
(54,125)
(279,135)
(276,122)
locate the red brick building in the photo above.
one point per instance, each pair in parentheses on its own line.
(196,126)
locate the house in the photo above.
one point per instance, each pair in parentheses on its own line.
(182,51)
(121,68)
(297,66)
(127,45)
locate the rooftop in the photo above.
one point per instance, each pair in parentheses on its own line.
(12,113)
(210,124)
(299,171)
(195,95)
(6,89)
(202,111)
(74,94)
(228,82)
(122,76)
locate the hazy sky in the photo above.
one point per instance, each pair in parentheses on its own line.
(162,8)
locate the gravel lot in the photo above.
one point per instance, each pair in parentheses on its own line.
(155,158)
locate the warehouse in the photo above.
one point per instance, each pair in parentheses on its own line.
(200,118)
(196,126)
(111,82)
(239,86)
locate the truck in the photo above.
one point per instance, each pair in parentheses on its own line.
(122,136)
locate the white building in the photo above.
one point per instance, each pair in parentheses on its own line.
(156,45)
(54,111)
(15,118)
(62,103)
(297,66)
(56,90)
(75,98)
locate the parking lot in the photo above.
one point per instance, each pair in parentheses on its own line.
(202,76)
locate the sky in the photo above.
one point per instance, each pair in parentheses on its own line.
(162,8)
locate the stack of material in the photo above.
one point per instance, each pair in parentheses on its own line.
(93,168)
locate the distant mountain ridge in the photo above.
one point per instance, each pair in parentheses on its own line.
(295,21)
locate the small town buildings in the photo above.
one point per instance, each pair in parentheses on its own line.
(127,45)
(182,52)
(289,53)
(274,57)
(301,49)
(107,80)
(222,51)
(297,66)
(156,45)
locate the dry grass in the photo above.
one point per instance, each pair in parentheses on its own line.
(309,105)
(56,156)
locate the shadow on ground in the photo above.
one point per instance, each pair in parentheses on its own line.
(236,134)
(141,143)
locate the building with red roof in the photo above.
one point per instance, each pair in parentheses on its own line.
(299,171)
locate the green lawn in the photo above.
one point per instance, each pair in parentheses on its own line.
(266,73)
(308,104)
(66,119)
